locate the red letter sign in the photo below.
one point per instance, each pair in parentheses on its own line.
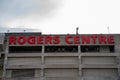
(12,39)
(67,39)
(21,40)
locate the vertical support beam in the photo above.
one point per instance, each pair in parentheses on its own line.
(79,63)
(5,61)
(117,51)
(9,74)
(118,64)
(42,63)
(42,56)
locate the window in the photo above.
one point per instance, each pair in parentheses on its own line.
(112,49)
(97,48)
(61,49)
(90,48)
(23,73)
(2,59)
(25,49)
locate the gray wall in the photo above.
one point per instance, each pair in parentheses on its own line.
(101,65)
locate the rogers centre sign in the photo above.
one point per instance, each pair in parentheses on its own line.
(68,39)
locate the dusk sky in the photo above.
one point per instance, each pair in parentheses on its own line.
(60,16)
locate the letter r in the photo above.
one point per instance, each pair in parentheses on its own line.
(12,40)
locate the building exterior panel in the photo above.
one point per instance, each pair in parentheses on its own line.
(35,56)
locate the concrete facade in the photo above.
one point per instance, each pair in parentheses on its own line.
(65,62)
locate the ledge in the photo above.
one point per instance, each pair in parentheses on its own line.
(23,66)
(61,66)
(99,66)
(60,54)
(99,54)
(24,55)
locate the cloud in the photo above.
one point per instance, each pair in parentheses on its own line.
(18,11)
(7,29)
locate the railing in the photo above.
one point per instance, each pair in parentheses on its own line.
(24,78)
(65,78)
(99,54)
(44,78)
(100,78)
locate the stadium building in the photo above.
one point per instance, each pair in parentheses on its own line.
(35,56)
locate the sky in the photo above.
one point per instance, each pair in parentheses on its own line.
(60,16)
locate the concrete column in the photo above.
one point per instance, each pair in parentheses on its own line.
(8,73)
(79,63)
(118,64)
(5,62)
(42,56)
(43,62)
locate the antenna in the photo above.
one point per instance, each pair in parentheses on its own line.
(24,30)
(8,31)
(77,30)
(108,29)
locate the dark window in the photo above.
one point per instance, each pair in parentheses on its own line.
(2,59)
(23,73)
(61,49)
(90,48)
(112,49)
(97,48)
(25,49)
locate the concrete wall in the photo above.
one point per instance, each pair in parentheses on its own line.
(98,60)
(101,65)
